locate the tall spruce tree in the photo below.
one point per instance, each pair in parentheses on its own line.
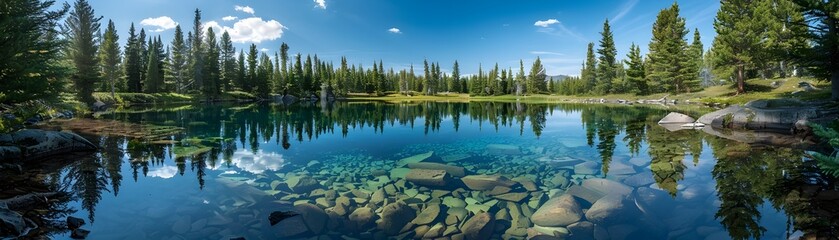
(607,63)
(154,80)
(669,62)
(81,28)
(635,71)
(177,61)
(250,78)
(143,52)
(695,51)
(228,62)
(212,71)
(241,72)
(823,58)
(27,74)
(109,57)
(197,52)
(536,79)
(786,34)
(132,62)
(589,72)
(455,78)
(284,78)
(262,84)
(738,37)
(521,79)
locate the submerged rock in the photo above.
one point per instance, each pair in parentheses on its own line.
(278,216)
(486,182)
(479,227)
(428,215)
(11,223)
(427,177)
(453,170)
(74,222)
(36,143)
(425,157)
(363,218)
(302,184)
(612,209)
(558,212)
(588,168)
(395,216)
(314,216)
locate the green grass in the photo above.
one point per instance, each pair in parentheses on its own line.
(755,89)
(164,98)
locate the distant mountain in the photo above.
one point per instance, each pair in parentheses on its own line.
(558,77)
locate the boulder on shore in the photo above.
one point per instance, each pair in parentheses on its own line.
(36,143)
(675,117)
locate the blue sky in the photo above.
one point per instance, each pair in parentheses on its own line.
(407,31)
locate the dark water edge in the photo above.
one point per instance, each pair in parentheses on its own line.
(234,165)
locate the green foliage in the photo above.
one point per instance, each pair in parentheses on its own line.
(536,79)
(109,57)
(669,62)
(177,68)
(589,72)
(738,37)
(81,28)
(635,74)
(212,72)
(607,67)
(30,51)
(133,64)
(823,58)
(829,163)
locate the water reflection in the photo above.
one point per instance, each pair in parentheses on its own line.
(260,139)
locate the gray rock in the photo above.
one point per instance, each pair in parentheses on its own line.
(639,180)
(453,170)
(427,177)
(558,212)
(74,222)
(314,217)
(612,209)
(479,227)
(425,157)
(606,186)
(10,153)
(435,231)
(11,222)
(675,117)
(513,197)
(428,215)
(302,184)
(291,227)
(395,216)
(486,182)
(453,202)
(588,168)
(363,218)
(36,143)
(581,230)
(559,232)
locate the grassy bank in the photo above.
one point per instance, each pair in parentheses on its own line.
(755,89)
(123,99)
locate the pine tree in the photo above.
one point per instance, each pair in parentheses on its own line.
(786,34)
(143,53)
(455,78)
(635,71)
(250,78)
(607,63)
(297,77)
(426,82)
(109,57)
(152,85)
(28,75)
(823,58)
(81,28)
(521,79)
(284,76)
(737,37)
(177,64)
(197,52)
(241,75)
(133,62)
(308,76)
(212,71)
(228,62)
(536,79)
(669,62)
(695,51)
(589,72)
(262,84)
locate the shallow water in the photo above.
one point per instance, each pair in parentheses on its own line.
(341,164)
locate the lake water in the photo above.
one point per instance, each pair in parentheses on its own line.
(367,171)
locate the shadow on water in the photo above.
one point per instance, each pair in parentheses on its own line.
(259,143)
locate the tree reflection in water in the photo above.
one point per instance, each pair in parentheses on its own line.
(746,176)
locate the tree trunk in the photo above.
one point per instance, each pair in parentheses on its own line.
(113,95)
(783,68)
(740,80)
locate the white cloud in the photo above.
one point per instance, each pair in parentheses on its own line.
(263,49)
(229,18)
(624,10)
(163,172)
(546,53)
(252,29)
(394,30)
(545,23)
(257,162)
(162,23)
(245,9)
(320,4)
